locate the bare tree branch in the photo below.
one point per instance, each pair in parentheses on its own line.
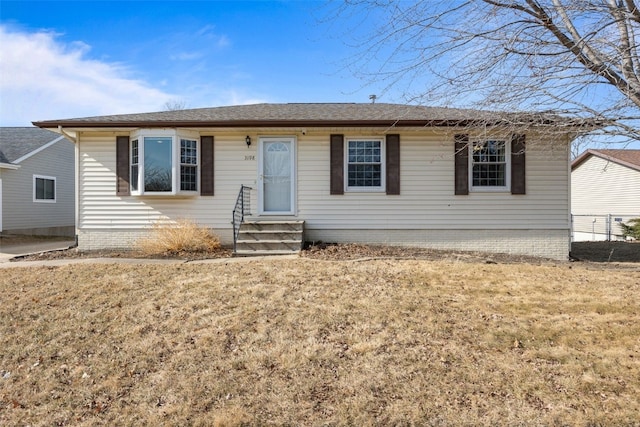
(633,10)
(576,57)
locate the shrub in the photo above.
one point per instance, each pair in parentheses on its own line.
(180,236)
(631,229)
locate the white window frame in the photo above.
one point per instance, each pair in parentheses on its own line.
(55,189)
(176,136)
(383,166)
(507,154)
(195,165)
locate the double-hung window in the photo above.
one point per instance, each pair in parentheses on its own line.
(188,165)
(44,189)
(490,165)
(365,164)
(163,163)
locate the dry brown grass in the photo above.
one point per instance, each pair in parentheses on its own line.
(305,342)
(178,237)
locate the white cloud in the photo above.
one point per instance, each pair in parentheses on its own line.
(185,56)
(42,78)
(223,41)
(242,99)
(208,32)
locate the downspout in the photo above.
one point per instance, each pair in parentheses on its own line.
(76,183)
(76,179)
(570,140)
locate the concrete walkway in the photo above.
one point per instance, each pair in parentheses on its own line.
(9,251)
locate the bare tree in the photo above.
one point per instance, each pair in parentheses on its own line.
(573,57)
(175,105)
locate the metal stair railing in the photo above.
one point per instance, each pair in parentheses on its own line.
(242,208)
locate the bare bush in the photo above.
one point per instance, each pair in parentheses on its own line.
(182,235)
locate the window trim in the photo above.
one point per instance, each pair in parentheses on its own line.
(196,165)
(55,189)
(176,136)
(383,166)
(507,173)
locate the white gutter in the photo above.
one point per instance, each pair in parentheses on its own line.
(9,166)
(76,182)
(69,137)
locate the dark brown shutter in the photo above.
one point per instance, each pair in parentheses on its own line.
(122,166)
(518,165)
(461,164)
(393,164)
(206,166)
(337,164)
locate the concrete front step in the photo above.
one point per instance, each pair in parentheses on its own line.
(273,225)
(272,245)
(270,238)
(256,235)
(263,253)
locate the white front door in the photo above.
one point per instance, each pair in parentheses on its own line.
(276,176)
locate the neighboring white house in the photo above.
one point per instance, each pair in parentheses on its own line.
(373,173)
(605,190)
(37,193)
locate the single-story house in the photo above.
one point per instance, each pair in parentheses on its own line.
(605,191)
(373,173)
(37,192)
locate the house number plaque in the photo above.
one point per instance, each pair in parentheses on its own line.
(249,157)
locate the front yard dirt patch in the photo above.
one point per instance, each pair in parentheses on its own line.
(74,253)
(354,251)
(606,251)
(602,254)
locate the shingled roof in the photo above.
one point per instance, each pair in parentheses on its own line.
(17,142)
(628,158)
(281,115)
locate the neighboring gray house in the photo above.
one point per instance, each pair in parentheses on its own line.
(605,190)
(37,192)
(371,173)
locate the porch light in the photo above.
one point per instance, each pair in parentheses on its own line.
(248,140)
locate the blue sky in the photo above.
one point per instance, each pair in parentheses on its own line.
(83,58)
(66,59)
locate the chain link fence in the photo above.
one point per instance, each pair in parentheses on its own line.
(598,227)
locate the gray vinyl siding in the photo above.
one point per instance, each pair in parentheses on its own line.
(19,211)
(426,199)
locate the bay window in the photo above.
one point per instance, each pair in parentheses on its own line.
(163,162)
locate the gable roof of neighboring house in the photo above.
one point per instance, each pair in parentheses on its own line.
(19,143)
(628,158)
(311,114)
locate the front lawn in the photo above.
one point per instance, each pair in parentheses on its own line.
(310,342)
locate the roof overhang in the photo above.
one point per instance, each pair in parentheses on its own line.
(9,166)
(584,156)
(259,123)
(56,125)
